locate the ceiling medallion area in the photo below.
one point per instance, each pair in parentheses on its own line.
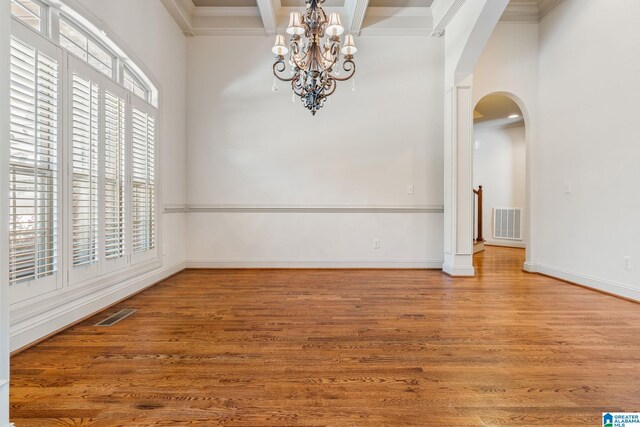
(314,55)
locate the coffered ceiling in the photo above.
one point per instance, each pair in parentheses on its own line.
(361,17)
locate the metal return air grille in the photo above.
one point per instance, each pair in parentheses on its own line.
(115,318)
(507,223)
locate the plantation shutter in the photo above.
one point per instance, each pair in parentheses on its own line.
(85,148)
(114,176)
(33,165)
(143,181)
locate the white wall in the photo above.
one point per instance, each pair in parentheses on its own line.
(264,155)
(4,210)
(153,39)
(499,166)
(588,136)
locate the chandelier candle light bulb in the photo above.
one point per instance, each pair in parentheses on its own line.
(315,66)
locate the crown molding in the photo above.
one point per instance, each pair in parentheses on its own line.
(226,11)
(548,6)
(182,12)
(521,12)
(216,32)
(529,10)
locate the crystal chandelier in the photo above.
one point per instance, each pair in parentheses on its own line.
(315,65)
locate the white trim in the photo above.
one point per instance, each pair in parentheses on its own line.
(521,12)
(219,32)
(281,208)
(5,37)
(455,271)
(533,11)
(506,244)
(597,283)
(356,11)
(443,12)
(171,209)
(225,11)
(181,15)
(259,32)
(530,267)
(548,6)
(185,13)
(37,326)
(313,263)
(268,13)
(458,265)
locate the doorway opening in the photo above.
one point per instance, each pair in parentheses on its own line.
(500,179)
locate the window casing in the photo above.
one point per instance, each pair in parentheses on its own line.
(83,201)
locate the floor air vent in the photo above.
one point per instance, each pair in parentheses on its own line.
(115,318)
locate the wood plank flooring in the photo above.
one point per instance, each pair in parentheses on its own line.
(331,347)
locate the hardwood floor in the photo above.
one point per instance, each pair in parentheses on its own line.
(330,347)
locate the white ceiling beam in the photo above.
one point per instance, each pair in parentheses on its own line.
(355,11)
(268,12)
(181,11)
(443,13)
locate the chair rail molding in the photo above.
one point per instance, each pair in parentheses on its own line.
(285,208)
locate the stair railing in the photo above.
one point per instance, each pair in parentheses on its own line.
(478,217)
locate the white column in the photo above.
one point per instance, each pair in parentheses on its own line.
(458,203)
(5,22)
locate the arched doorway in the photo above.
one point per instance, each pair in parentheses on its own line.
(501,172)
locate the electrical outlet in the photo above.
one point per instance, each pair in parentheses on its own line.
(376,243)
(410,189)
(568,188)
(627,263)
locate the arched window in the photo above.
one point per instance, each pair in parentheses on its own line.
(83,147)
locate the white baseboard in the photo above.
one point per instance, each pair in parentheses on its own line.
(506,243)
(530,267)
(315,263)
(588,281)
(30,330)
(457,271)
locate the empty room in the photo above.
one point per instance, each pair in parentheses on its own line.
(319,213)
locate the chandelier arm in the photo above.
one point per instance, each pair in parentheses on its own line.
(335,53)
(350,67)
(303,59)
(296,89)
(332,85)
(279,67)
